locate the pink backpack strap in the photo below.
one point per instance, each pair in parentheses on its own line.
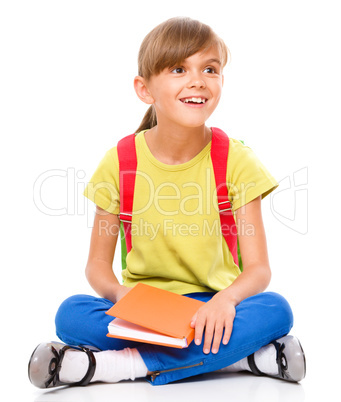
(219,155)
(127,163)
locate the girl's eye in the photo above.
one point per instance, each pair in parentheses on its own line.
(210,70)
(178,70)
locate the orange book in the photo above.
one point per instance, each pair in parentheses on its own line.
(151,315)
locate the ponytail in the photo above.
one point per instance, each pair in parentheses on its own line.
(149,120)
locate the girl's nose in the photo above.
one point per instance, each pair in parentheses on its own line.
(196,82)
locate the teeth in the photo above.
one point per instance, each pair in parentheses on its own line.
(196,100)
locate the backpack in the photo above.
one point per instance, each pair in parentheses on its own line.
(128,164)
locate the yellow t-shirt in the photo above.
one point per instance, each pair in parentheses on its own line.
(177,243)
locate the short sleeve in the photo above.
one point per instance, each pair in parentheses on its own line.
(247,178)
(103,188)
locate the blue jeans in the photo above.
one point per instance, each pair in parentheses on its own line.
(260,319)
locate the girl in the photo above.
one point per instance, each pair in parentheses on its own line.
(178,239)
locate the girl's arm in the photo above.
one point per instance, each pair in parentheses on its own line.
(99,271)
(218,314)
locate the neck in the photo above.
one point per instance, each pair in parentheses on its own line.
(174,146)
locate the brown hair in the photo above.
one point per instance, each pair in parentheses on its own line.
(169,44)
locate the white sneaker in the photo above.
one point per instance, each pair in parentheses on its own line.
(290,360)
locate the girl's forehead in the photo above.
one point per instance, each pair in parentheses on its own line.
(211,54)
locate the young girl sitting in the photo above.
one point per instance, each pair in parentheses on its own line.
(178,240)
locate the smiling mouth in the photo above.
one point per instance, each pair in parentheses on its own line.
(194,100)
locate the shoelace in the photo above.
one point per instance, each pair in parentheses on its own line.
(55,366)
(281,360)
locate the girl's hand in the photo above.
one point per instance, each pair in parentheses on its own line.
(216,317)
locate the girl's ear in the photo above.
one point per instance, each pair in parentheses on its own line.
(142,90)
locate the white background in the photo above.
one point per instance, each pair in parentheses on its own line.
(66,97)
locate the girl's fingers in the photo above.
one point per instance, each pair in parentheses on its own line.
(218,333)
(214,327)
(209,333)
(193,320)
(199,329)
(227,333)
(215,333)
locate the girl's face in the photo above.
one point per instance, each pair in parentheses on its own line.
(187,94)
